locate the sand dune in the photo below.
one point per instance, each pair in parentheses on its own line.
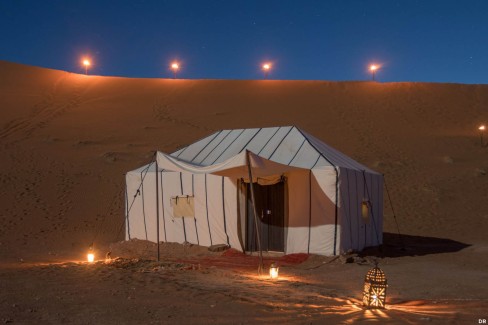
(68,139)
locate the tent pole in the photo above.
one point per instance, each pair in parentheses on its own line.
(260,267)
(157,202)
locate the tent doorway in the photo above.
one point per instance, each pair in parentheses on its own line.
(270,206)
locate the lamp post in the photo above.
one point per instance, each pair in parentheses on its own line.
(373,69)
(266,68)
(86,63)
(482,130)
(175,67)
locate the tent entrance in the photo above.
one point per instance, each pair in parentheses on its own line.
(270,206)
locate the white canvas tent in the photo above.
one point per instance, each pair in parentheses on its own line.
(311,197)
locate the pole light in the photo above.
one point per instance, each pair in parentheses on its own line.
(482,130)
(373,68)
(266,68)
(175,67)
(86,63)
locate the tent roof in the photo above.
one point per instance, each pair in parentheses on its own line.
(286,145)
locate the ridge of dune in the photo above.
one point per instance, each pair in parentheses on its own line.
(67,140)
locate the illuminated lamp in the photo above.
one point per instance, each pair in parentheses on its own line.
(482,129)
(91,254)
(273,271)
(266,67)
(374,294)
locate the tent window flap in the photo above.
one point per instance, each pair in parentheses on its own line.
(183,206)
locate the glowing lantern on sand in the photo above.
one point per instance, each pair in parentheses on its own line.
(90,257)
(91,254)
(374,295)
(273,271)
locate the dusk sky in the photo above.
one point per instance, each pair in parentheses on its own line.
(435,41)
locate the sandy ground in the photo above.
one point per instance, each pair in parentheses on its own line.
(66,141)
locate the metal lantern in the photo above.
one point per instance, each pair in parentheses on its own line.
(273,271)
(374,295)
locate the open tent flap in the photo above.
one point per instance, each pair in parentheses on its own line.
(235,167)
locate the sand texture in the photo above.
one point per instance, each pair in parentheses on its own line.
(67,140)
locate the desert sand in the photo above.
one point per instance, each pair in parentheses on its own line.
(67,141)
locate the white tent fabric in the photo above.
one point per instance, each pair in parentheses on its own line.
(324,191)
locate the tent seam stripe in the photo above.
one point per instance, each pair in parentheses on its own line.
(206,207)
(230,144)
(248,142)
(206,145)
(214,147)
(162,206)
(183,218)
(279,128)
(309,209)
(279,144)
(296,153)
(195,219)
(223,209)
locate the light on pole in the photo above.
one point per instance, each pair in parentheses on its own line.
(266,68)
(86,63)
(373,68)
(175,67)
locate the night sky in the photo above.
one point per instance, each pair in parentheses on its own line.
(436,41)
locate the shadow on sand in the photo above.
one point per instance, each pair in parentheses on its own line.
(408,245)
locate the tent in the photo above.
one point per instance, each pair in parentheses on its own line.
(309,197)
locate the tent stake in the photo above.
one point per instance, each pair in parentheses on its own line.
(260,267)
(157,202)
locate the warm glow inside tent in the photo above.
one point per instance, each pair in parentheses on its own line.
(309,197)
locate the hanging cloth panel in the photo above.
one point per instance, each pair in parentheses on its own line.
(183,206)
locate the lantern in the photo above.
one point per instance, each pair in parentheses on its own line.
(91,254)
(273,271)
(374,295)
(91,257)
